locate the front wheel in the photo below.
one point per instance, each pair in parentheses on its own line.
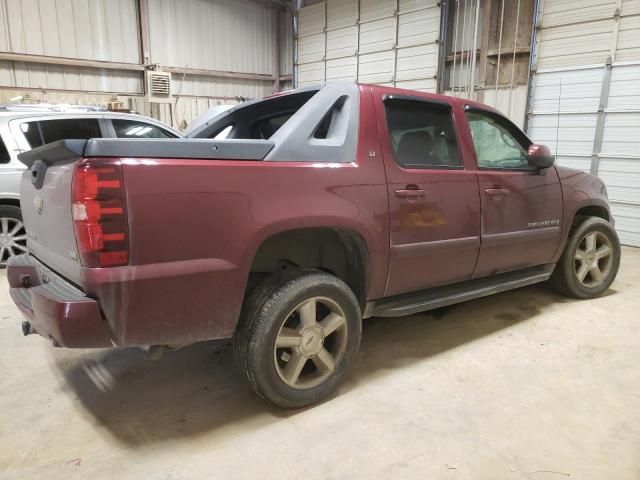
(299,332)
(590,261)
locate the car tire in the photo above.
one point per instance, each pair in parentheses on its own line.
(593,246)
(12,241)
(298,334)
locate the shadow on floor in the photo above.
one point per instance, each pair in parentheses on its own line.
(197,389)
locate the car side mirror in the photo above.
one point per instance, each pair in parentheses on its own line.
(540,156)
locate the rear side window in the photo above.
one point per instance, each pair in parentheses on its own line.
(4,153)
(422,134)
(137,129)
(46,131)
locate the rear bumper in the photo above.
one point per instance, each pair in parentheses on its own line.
(55,309)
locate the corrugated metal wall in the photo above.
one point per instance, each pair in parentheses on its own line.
(387,42)
(233,36)
(98,30)
(221,35)
(585,100)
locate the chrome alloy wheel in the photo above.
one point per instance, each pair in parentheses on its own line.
(593,259)
(311,341)
(13,238)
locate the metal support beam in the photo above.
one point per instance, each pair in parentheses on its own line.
(71,62)
(275,16)
(472,80)
(443,39)
(604,92)
(487,12)
(76,62)
(602,106)
(145,36)
(265,77)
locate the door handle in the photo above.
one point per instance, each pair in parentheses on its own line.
(495,191)
(410,193)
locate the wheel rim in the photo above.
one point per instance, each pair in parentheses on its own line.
(13,238)
(593,259)
(311,342)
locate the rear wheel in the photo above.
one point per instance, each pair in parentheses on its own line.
(590,261)
(13,236)
(299,332)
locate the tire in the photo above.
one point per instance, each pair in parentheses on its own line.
(277,336)
(13,236)
(576,274)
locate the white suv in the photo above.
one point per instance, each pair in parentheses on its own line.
(23,127)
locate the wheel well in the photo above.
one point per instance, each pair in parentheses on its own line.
(10,201)
(590,211)
(340,252)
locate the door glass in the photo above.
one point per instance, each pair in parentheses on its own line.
(4,153)
(136,129)
(46,131)
(496,143)
(31,131)
(422,134)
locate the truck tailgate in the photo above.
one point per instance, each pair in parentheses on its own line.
(45,197)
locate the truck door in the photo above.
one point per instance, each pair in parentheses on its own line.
(434,204)
(521,205)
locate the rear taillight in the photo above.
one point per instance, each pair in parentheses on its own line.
(100,214)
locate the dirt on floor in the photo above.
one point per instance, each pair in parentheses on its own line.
(522,385)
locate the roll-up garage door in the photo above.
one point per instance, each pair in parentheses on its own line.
(585,96)
(386,42)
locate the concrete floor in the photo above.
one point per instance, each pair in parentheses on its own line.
(522,385)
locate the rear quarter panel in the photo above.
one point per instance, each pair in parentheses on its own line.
(195,226)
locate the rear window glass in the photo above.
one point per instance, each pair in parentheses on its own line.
(422,134)
(47,131)
(264,129)
(256,120)
(136,129)
(4,153)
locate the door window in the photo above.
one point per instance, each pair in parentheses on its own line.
(498,144)
(4,153)
(137,129)
(46,131)
(422,134)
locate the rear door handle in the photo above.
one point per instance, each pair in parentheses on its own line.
(410,193)
(495,191)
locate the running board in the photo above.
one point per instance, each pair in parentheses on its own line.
(410,303)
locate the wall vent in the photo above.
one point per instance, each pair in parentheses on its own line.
(158,86)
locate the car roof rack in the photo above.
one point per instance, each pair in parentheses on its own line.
(49,107)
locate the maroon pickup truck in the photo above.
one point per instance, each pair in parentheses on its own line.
(284,222)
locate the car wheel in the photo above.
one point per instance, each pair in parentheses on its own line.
(298,333)
(590,261)
(13,236)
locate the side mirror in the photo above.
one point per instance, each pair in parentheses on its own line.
(540,156)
